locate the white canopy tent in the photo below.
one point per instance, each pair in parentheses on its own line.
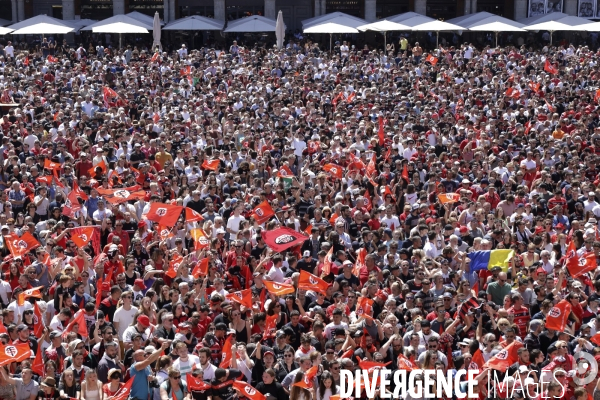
(563,23)
(410,19)
(335,17)
(146,19)
(331,28)
(195,23)
(543,18)
(4,22)
(470,19)
(119,24)
(41,25)
(5,31)
(496,24)
(384,26)
(253,23)
(79,23)
(437,27)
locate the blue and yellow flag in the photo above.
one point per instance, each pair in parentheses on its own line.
(487,259)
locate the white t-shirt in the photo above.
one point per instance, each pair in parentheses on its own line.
(19,310)
(234,223)
(124,318)
(185,367)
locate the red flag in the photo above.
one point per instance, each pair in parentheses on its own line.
(99,292)
(174,266)
(327,262)
(405,173)
(262,212)
(370,365)
(201,269)
(38,324)
(372,166)
(26,62)
(308,230)
(243,297)
(3,328)
(164,214)
(367,201)
(579,266)
(78,320)
(506,357)
(20,246)
(364,307)
(48,179)
(78,191)
(82,235)
(381,132)
(308,281)
(387,191)
(549,68)
(446,198)
(285,172)
(248,391)
(596,339)
(279,289)
(404,363)
(201,241)
(155,57)
(361,254)
(558,316)
(192,216)
(282,238)
(51,59)
(38,364)
(35,292)
(478,360)
(101,165)
(123,393)
(351,97)
(213,165)
(226,356)
(335,170)
(307,380)
(14,353)
(431,59)
(51,165)
(121,195)
(195,384)
(270,326)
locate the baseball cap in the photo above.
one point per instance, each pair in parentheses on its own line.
(144,320)
(306,253)
(139,283)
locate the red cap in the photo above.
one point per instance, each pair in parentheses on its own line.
(463,229)
(539,230)
(144,320)
(560,226)
(382,295)
(139,283)
(141,224)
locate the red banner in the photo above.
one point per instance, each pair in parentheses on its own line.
(283,238)
(164,214)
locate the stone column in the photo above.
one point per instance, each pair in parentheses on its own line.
(118,7)
(317,8)
(570,7)
(13,6)
(370,10)
(68,9)
(166,11)
(172,10)
(421,7)
(220,10)
(270,9)
(520,9)
(323,7)
(21,10)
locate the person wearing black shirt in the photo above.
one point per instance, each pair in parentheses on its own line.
(307,263)
(296,327)
(319,302)
(347,276)
(270,387)
(165,331)
(222,387)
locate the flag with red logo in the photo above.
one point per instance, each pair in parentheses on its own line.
(14,353)
(125,391)
(174,266)
(371,365)
(372,166)
(79,320)
(381,131)
(334,170)
(34,292)
(82,235)
(226,356)
(307,380)
(478,360)
(313,146)
(201,240)
(51,165)
(364,307)
(285,172)
(48,179)
(431,59)
(201,269)
(192,216)
(121,195)
(77,190)
(262,212)
(19,246)
(308,281)
(579,266)
(248,391)
(279,289)
(195,384)
(270,326)
(243,297)
(164,214)
(38,324)
(404,363)
(558,316)
(449,198)
(503,359)
(212,165)
(549,68)
(327,262)
(282,238)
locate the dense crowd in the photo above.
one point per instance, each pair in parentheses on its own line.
(142,194)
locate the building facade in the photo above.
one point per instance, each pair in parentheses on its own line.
(294,12)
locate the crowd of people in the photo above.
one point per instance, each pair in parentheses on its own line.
(137,191)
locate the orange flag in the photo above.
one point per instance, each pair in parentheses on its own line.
(243,297)
(192,216)
(478,360)
(308,281)
(405,173)
(195,384)
(123,393)
(279,289)
(370,365)
(82,236)
(431,59)
(549,68)
(226,356)
(20,246)
(372,166)
(51,165)
(201,241)
(361,254)
(404,363)
(14,353)
(78,320)
(248,391)
(270,326)
(101,165)
(364,307)
(285,172)
(78,191)
(504,358)
(164,214)
(327,262)
(579,266)
(38,364)
(35,292)
(307,380)
(335,170)
(558,316)
(446,198)
(201,269)
(308,230)
(174,266)
(213,165)
(99,292)
(262,212)
(381,132)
